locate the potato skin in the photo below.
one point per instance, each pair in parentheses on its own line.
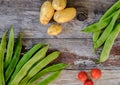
(54,29)
(59,4)
(46,13)
(65,15)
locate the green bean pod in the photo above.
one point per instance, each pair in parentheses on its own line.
(2,53)
(27,66)
(104,21)
(96,37)
(107,31)
(51,78)
(25,58)
(39,66)
(45,71)
(109,43)
(112,9)
(15,59)
(10,48)
(99,25)
(94,27)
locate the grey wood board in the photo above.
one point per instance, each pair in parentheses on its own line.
(69,77)
(78,53)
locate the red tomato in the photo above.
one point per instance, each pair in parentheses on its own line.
(89,82)
(82,76)
(96,73)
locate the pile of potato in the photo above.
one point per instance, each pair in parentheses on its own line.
(56,10)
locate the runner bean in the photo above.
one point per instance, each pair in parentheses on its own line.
(10,48)
(104,19)
(15,59)
(96,37)
(109,43)
(51,78)
(45,71)
(40,65)
(99,25)
(2,53)
(25,58)
(112,9)
(27,66)
(107,31)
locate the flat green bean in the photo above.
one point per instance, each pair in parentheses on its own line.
(27,66)
(104,21)
(15,59)
(51,78)
(46,71)
(95,37)
(107,31)
(25,58)
(109,43)
(2,53)
(99,25)
(10,48)
(39,66)
(112,9)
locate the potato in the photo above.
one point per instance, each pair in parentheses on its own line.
(59,4)
(65,15)
(54,30)
(46,13)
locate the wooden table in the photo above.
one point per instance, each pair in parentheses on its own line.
(76,46)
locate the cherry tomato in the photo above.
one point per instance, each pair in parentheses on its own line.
(82,76)
(88,82)
(96,73)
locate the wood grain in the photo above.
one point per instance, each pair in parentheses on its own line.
(69,77)
(76,46)
(78,53)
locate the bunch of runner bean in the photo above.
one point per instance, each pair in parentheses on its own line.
(60,14)
(106,30)
(28,69)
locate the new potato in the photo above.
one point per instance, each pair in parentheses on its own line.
(59,4)
(54,30)
(65,15)
(46,13)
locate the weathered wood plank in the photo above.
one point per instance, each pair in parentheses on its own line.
(78,53)
(24,15)
(69,77)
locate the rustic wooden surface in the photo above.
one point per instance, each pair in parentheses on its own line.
(76,46)
(69,77)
